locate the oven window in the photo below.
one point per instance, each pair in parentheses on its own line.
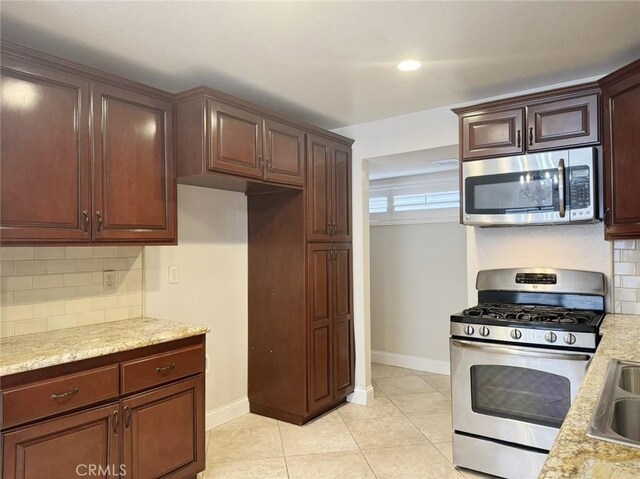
(522,394)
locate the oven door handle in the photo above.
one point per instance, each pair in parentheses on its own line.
(513,351)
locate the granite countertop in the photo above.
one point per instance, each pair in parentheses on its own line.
(574,455)
(41,350)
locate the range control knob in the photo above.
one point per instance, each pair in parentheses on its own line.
(550,337)
(484,331)
(516,334)
(569,338)
(468,330)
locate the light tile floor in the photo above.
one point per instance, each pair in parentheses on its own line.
(405,434)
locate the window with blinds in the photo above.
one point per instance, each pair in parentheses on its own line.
(430,198)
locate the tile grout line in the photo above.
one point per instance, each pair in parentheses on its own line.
(358,445)
(421,432)
(284,454)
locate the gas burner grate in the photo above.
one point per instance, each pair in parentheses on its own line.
(537,314)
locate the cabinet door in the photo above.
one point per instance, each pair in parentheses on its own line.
(562,124)
(164,431)
(284,153)
(343,350)
(235,140)
(320,327)
(319,189)
(134,188)
(44,156)
(341,196)
(492,134)
(82,444)
(622,157)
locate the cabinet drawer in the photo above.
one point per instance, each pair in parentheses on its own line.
(148,372)
(53,396)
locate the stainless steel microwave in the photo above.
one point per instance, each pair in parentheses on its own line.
(555,187)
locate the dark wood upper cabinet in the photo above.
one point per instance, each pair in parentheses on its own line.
(621,100)
(341,196)
(235,140)
(65,447)
(563,118)
(69,178)
(492,134)
(134,170)
(319,189)
(224,142)
(44,156)
(283,153)
(328,190)
(558,124)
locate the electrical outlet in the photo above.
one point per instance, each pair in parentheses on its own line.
(109,279)
(174,274)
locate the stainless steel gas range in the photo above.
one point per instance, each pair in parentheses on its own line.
(517,361)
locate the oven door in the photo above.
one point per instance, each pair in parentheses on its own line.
(517,190)
(515,394)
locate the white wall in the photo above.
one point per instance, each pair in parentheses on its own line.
(418,279)
(415,131)
(212,257)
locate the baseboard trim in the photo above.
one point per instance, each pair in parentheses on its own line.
(362,396)
(411,362)
(226,413)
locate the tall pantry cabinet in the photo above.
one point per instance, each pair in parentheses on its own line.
(301,343)
(297,178)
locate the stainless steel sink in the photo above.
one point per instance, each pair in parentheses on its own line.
(617,414)
(630,379)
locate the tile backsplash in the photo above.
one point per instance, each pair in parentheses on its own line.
(47,288)
(626,269)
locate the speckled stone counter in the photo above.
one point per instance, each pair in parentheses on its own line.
(574,455)
(41,350)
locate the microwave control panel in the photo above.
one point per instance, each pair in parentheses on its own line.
(580,189)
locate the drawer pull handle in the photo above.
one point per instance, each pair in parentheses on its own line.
(127,417)
(68,394)
(165,369)
(116,422)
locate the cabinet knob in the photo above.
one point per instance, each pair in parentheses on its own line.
(606,217)
(260,163)
(518,139)
(99,227)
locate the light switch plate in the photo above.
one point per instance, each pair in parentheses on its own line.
(174,274)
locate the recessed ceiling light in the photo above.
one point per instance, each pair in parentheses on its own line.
(409,65)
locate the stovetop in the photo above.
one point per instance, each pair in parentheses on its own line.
(531,316)
(532,313)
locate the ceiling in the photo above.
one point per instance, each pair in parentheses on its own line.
(414,163)
(333,63)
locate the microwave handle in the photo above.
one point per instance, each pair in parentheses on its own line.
(561,189)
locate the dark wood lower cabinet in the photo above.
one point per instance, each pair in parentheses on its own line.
(163,430)
(77,445)
(158,432)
